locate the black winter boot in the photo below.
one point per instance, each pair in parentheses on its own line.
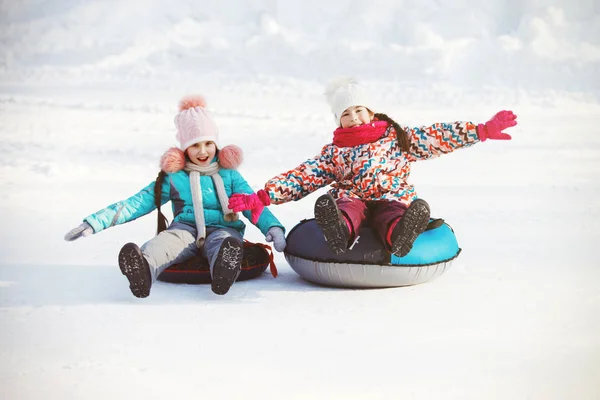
(332,223)
(412,224)
(135,267)
(228,265)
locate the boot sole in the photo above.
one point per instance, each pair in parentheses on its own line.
(228,266)
(414,222)
(135,268)
(328,217)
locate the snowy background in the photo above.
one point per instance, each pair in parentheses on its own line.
(88,91)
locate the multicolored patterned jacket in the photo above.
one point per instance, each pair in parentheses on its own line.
(371,171)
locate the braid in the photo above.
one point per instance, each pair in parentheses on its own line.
(162,220)
(401,134)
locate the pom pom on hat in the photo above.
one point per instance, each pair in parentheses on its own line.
(345,92)
(337,84)
(231,157)
(192,101)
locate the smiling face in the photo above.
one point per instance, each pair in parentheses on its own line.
(202,153)
(355,116)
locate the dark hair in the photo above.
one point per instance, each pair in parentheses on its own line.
(401,134)
(162,221)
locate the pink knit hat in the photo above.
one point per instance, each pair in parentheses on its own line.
(194,123)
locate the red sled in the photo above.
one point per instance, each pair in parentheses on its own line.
(257,257)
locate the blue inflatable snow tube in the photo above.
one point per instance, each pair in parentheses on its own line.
(367,263)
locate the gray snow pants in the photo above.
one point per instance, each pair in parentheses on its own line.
(178,243)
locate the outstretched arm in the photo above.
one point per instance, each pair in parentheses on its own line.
(306,178)
(289,186)
(440,138)
(443,138)
(119,213)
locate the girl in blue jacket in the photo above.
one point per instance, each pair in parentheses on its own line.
(198,178)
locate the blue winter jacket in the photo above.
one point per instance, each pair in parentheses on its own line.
(176,188)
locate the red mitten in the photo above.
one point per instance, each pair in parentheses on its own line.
(254,202)
(494,127)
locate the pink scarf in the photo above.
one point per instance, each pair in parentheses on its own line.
(366,133)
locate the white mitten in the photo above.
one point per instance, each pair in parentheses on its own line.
(82,230)
(276,236)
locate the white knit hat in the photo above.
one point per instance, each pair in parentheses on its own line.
(194,123)
(345,92)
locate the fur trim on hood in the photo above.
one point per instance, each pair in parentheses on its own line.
(230,157)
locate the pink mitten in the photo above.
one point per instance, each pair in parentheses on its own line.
(494,127)
(254,202)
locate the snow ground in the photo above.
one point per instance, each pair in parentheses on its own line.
(87,97)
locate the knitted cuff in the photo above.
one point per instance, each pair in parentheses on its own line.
(482,132)
(263,196)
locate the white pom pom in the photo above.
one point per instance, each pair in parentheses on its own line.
(336,84)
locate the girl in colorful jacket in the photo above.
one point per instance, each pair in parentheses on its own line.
(198,178)
(368,166)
